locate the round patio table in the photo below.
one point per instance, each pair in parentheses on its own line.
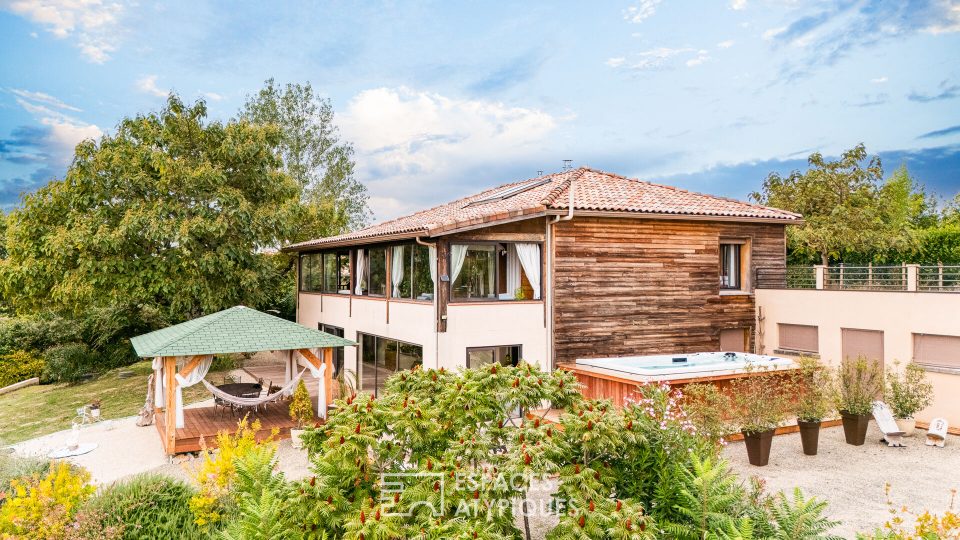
(245,390)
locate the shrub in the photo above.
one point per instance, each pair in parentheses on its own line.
(42,507)
(759,401)
(36,334)
(14,467)
(69,362)
(909,392)
(19,366)
(814,390)
(859,382)
(707,408)
(147,506)
(301,410)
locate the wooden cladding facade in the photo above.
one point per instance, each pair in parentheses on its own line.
(625,286)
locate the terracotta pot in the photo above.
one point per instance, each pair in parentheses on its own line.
(855,427)
(809,436)
(907,426)
(758,446)
(295,440)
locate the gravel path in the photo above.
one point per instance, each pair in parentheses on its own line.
(853,479)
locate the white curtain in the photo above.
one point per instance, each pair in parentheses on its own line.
(529,255)
(191,379)
(432,257)
(158,377)
(396,270)
(458,253)
(359,272)
(321,387)
(513,271)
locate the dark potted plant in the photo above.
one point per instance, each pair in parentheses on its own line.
(759,405)
(301,412)
(813,402)
(908,392)
(859,383)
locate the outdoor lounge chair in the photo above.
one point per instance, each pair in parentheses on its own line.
(892,434)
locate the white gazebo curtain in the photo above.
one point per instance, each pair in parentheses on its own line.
(458,253)
(396,270)
(529,255)
(158,395)
(361,262)
(321,386)
(192,378)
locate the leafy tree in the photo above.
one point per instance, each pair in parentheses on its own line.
(172,210)
(313,154)
(842,204)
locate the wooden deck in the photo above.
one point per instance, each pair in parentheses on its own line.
(207,422)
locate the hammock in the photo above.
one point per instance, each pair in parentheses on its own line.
(252,402)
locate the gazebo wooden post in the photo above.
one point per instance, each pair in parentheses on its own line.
(170,413)
(328,373)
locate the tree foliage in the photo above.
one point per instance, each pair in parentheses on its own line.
(172,210)
(314,156)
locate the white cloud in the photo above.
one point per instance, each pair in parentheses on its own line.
(410,142)
(148,85)
(726,44)
(63,132)
(950,21)
(702,56)
(92,24)
(774,32)
(212,96)
(643,9)
(738,4)
(879,80)
(615,62)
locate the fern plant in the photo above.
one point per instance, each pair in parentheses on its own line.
(710,501)
(798,518)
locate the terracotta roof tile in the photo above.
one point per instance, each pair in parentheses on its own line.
(594,190)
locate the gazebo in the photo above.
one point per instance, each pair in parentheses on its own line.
(182,355)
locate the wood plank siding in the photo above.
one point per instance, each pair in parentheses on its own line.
(625,286)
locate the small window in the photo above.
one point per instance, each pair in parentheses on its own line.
(866,343)
(506,355)
(799,337)
(377,272)
(735,340)
(936,350)
(730,271)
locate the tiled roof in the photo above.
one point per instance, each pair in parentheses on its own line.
(594,191)
(236,330)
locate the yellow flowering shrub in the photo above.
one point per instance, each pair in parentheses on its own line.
(217,470)
(907,525)
(42,507)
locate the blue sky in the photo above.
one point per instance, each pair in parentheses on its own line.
(442,99)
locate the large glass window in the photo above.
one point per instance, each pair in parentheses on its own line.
(730,266)
(382,357)
(337,351)
(376,272)
(311,272)
(330,272)
(495,271)
(325,272)
(415,282)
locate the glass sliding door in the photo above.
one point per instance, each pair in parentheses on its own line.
(382,357)
(337,351)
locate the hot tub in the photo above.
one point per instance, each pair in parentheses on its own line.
(681,367)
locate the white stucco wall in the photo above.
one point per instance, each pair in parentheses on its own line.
(898,314)
(474,325)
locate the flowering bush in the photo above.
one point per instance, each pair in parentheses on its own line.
(42,507)
(217,470)
(909,392)
(908,525)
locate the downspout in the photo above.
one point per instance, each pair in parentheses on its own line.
(436,304)
(550,270)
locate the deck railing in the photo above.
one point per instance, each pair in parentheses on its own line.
(906,277)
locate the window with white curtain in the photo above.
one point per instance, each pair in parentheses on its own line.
(494,271)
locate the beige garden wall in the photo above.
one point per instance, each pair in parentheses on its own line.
(897,314)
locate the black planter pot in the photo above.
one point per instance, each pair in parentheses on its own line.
(855,427)
(758,446)
(809,436)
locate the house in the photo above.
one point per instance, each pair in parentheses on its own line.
(581,263)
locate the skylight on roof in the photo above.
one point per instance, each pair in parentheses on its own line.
(509,192)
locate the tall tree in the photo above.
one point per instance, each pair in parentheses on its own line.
(845,206)
(314,156)
(173,211)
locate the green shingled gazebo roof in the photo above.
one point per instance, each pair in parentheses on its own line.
(236,330)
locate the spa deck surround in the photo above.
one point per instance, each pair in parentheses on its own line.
(550,269)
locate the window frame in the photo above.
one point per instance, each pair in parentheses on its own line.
(360,360)
(320,256)
(743,265)
(496,350)
(498,279)
(338,352)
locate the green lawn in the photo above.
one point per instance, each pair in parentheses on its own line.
(39,410)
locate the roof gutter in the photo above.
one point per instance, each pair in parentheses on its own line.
(569,215)
(685,217)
